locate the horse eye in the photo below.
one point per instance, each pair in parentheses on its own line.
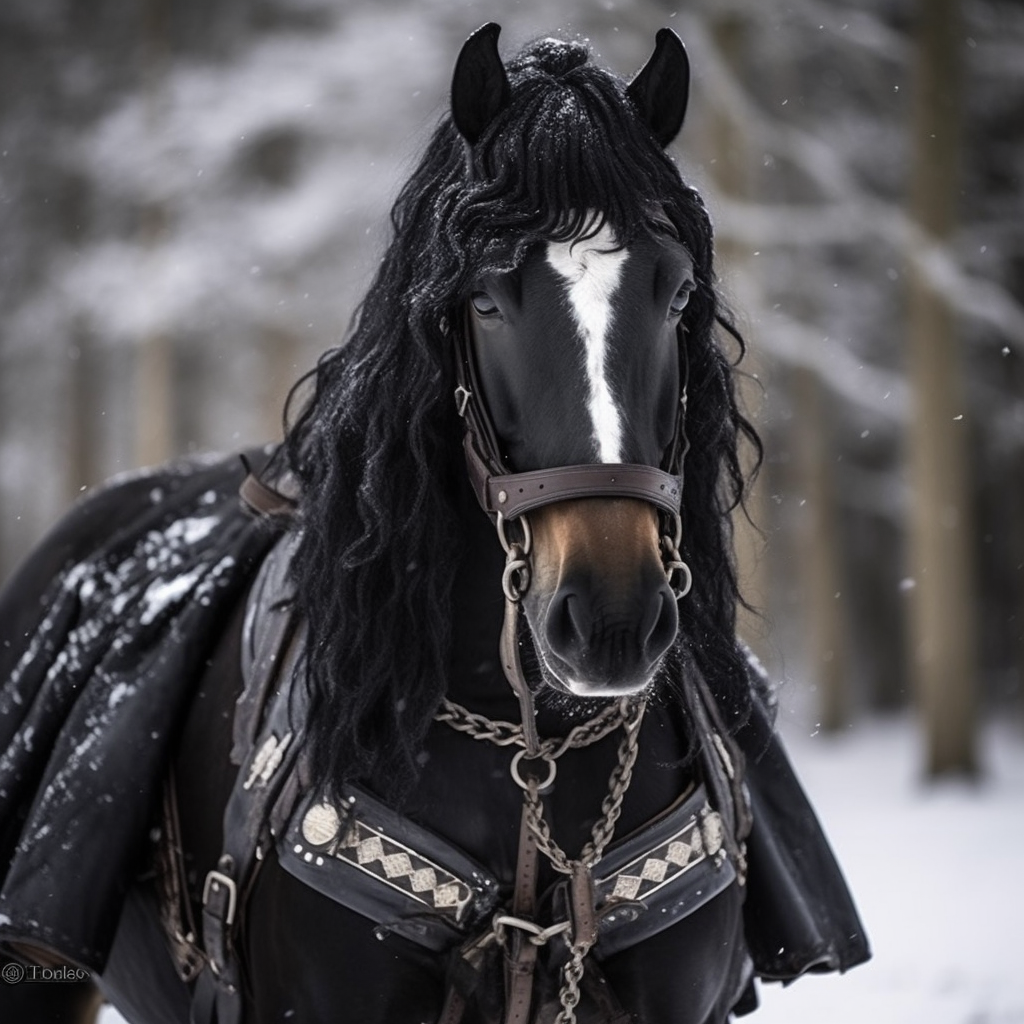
(682,297)
(483,303)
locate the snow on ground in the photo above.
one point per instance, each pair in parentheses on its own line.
(937,874)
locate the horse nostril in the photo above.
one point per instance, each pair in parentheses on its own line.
(663,622)
(568,624)
(624,642)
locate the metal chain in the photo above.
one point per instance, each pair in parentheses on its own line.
(611,806)
(569,996)
(504,734)
(628,714)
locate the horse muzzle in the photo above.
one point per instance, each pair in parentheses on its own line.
(600,607)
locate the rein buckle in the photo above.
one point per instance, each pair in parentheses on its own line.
(211,889)
(462,397)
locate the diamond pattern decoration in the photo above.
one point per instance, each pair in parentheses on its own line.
(654,870)
(371,851)
(679,853)
(449,895)
(674,857)
(626,887)
(422,880)
(397,864)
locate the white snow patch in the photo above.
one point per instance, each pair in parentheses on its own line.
(162,593)
(191,530)
(118,694)
(935,871)
(85,745)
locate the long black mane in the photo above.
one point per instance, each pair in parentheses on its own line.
(376,448)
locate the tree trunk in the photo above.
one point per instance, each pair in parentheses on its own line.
(83,412)
(731,168)
(943,654)
(282,360)
(154,387)
(818,563)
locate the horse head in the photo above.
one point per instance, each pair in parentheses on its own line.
(548,264)
(575,381)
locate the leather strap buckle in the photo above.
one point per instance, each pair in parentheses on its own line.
(212,900)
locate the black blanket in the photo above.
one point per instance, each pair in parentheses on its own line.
(103,632)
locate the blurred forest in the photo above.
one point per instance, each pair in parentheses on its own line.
(193,195)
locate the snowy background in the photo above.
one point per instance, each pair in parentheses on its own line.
(193,196)
(936,870)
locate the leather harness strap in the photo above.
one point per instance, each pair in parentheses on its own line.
(175,903)
(520,952)
(265,770)
(508,651)
(262,499)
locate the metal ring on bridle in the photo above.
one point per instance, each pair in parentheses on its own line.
(673,560)
(681,567)
(521,782)
(513,586)
(527,540)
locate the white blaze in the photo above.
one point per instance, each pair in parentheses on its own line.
(592,270)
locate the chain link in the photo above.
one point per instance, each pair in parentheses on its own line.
(611,806)
(629,714)
(505,734)
(674,564)
(569,996)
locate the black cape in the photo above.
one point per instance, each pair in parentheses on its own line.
(104,632)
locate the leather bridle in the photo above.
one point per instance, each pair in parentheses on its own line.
(513,494)
(507,497)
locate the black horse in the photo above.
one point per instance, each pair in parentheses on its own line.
(262,758)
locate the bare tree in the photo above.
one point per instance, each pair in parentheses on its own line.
(154,359)
(943,655)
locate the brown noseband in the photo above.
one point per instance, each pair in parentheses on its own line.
(513,494)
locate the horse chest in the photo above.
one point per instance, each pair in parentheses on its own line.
(467,793)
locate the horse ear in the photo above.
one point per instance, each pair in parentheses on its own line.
(661,88)
(480,89)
